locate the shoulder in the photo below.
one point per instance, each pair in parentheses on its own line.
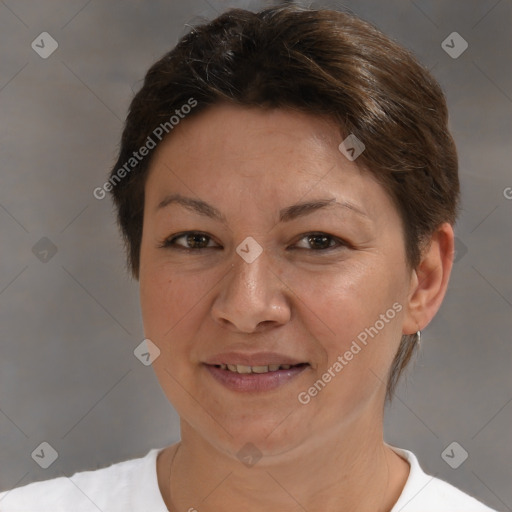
(109,488)
(424,492)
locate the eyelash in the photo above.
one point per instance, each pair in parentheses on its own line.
(169,243)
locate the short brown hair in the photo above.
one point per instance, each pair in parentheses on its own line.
(320,62)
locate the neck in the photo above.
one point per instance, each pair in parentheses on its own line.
(347,470)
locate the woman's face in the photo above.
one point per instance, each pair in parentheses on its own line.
(293,255)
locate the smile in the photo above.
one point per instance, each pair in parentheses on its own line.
(240,368)
(260,378)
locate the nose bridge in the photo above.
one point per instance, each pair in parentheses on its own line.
(251,265)
(251,295)
(250,275)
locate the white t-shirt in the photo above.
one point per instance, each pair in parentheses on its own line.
(132,486)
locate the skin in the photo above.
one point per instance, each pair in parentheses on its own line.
(295,299)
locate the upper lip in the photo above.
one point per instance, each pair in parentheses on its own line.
(256,359)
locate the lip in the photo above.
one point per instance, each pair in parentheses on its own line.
(255,359)
(254,382)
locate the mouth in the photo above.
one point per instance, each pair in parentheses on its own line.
(258,378)
(244,369)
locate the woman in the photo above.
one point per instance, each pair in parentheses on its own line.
(286,187)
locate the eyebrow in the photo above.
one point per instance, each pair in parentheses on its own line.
(285,215)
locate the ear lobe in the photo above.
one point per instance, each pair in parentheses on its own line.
(429,280)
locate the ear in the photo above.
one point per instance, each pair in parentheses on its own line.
(429,280)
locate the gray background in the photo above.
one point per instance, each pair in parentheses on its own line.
(68,326)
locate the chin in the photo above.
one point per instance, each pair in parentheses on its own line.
(252,433)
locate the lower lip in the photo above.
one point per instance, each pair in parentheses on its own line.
(248,382)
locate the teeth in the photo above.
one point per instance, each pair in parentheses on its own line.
(240,368)
(259,369)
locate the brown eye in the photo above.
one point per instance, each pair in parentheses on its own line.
(196,241)
(192,240)
(320,242)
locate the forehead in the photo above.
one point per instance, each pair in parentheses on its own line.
(241,138)
(237,152)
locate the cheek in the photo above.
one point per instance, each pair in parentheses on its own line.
(164,299)
(352,314)
(175,305)
(345,302)
(167,305)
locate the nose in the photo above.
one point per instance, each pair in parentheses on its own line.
(252,298)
